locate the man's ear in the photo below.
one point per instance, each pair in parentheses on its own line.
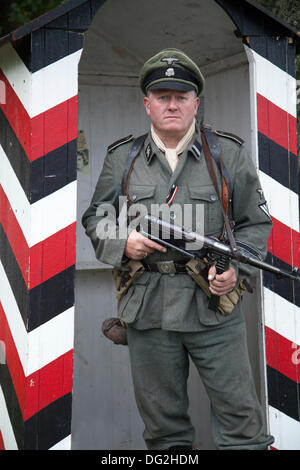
(147,104)
(197,102)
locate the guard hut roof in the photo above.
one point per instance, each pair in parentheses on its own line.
(253,18)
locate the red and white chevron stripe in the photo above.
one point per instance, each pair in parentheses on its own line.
(274,99)
(40,111)
(41,107)
(39,233)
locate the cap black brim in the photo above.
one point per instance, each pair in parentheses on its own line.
(171,85)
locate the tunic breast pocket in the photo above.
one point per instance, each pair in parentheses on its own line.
(211,214)
(142,196)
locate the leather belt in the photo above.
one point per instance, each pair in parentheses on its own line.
(166,267)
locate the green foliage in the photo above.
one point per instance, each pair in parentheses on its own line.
(273,5)
(25,10)
(15,13)
(288,10)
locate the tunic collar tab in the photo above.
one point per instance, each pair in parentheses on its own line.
(150,149)
(195,148)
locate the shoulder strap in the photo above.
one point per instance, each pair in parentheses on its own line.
(208,158)
(133,154)
(215,151)
(231,136)
(119,142)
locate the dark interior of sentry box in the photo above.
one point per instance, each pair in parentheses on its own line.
(124,34)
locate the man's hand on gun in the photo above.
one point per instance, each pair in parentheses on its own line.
(139,247)
(220,284)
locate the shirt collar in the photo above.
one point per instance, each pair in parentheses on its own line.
(151,149)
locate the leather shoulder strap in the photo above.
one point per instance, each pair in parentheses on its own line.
(133,154)
(227,223)
(213,150)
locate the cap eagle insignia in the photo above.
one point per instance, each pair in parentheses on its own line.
(169,60)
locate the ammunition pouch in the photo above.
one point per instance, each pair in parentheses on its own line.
(125,278)
(197,269)
(114,328)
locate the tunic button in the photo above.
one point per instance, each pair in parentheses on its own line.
(133,197)
(213,197)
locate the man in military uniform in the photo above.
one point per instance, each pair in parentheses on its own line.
(166,312)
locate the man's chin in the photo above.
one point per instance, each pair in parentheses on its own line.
(173,126)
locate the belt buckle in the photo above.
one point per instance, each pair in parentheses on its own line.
(166,267)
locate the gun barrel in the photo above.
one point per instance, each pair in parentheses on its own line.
(156,225)
(293,275)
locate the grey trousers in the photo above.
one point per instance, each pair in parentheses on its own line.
(160,367)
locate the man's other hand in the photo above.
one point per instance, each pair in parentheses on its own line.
(220,284)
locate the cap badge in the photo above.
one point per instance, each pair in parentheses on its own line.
(169,60)
(170,72)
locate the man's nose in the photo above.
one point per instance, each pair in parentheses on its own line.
(172,102)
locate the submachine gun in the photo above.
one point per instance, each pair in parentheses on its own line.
(214,251)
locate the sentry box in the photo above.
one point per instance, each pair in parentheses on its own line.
(69,88)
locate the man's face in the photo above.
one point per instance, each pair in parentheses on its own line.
(171,112)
